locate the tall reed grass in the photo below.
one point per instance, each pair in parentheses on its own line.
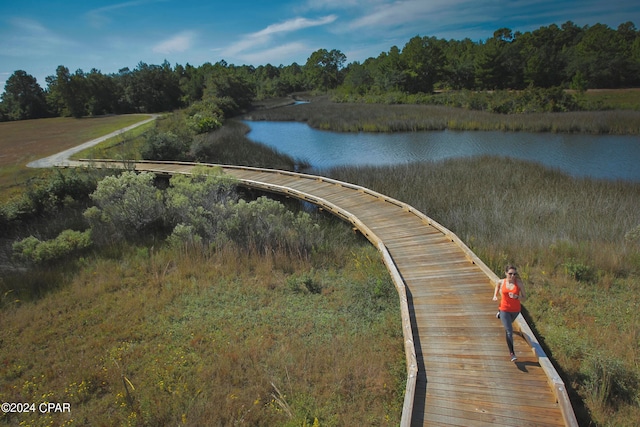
(321,113)
(571,240)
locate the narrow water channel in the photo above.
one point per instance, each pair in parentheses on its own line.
(597,156)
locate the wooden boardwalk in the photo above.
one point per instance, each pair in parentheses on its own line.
(458,369)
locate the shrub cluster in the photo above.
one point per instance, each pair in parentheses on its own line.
(201,209)
(196,135)
(47,194)
(205,209)
(67,242)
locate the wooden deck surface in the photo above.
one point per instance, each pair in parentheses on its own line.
(465,377)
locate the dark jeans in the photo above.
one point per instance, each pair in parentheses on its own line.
(507,318)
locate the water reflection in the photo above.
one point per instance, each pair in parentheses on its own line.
(598,156)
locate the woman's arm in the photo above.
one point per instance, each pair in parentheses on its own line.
(522,294)
(496,291)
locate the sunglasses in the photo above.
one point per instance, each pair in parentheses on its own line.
(512,274)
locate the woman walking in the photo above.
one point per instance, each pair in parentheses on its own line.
(511,292)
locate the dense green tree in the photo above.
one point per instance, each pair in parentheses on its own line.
(67,93)
(600,56)
(228,87)
(322,69)
(489,71)
(291,78)
(191,83)
(543,56)
(358,79)
(631,37)
(23,98)
(387,71)
(423,64)
(103,94)
(459,69)
(154,88)
(499,63)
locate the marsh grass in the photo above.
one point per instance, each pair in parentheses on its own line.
(568,238)
(322,113)
(159,337)
(229,145)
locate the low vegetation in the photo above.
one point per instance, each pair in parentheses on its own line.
(323,113)
(173,138)
(187,305)
(577,245)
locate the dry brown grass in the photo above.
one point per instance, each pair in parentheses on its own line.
(24,141)
(151,338)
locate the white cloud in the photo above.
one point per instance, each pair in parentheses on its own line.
(277,55)
(339,4)
(264,37)
(99,17)
(178,43)
(294,25)
(401,12)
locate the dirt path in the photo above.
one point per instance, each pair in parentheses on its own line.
(62,158)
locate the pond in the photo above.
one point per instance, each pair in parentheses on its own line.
(597,156)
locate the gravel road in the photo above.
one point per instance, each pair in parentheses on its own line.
(62,158)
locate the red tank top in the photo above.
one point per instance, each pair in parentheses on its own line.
(506,302)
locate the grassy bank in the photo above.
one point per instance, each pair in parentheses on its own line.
(141,334)
(321,113)
(577,244)
(227,145)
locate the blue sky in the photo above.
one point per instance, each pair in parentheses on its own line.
(37,36)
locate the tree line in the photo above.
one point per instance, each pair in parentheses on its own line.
(566,56)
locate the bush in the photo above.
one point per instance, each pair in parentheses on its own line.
(161,145)
(67,242)
(265,225)
(49,192)
(183,236)
(126,206)
(203,117)
(578,271)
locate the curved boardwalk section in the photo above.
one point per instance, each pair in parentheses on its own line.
(458,369)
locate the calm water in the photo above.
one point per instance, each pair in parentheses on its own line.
(606,157)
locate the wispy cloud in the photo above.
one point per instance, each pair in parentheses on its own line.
(100,16)
(398,13)
(277,55)
(263,37)
(178,43)
(29,37)
(338,4)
